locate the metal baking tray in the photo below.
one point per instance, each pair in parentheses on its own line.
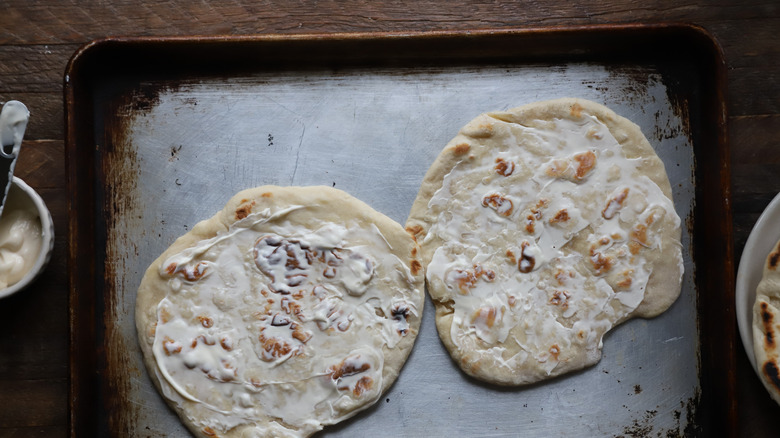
(162,131)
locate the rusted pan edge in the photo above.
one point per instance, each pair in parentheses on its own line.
(714,240)
(81,244)
(114,55)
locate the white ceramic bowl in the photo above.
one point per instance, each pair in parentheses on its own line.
(763,237)
(25,195)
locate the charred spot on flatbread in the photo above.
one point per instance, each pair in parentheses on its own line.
(414,231)
(416,267)
(244,209)
(767,319)
(774,258)
(461,149)
(772,374)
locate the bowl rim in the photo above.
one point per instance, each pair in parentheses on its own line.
(47,234)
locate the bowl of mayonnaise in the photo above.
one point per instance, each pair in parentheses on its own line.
(26,238)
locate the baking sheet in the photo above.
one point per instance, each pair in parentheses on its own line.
(170,152)
(373,133)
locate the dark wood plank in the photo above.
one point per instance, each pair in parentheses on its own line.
(33,353)
(754,185)
(41,164)
(32,403)
(754,139)
(748,42)
(34,68)
(754,91)
(755,169)
(34,432)
(51,22)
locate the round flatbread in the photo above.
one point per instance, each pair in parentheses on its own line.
(541,228)
(289,310)
(766,324)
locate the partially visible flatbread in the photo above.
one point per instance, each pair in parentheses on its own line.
(766,324)
(289,310)
(541,228)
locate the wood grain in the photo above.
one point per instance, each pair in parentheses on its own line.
(32,397)
(37,38)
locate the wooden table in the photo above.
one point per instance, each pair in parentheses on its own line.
(37,38)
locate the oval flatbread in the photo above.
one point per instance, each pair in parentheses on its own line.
(289,310)
(541,228)
(766,324)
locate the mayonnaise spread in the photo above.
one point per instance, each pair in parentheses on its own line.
(20,242)
(270,319)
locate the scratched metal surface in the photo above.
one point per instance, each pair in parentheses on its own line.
(373,133)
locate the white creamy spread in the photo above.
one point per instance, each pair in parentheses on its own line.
(273,320)
(545,248)
(20,244)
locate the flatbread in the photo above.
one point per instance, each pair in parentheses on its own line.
(766,324)
(541,228)
(289,310)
